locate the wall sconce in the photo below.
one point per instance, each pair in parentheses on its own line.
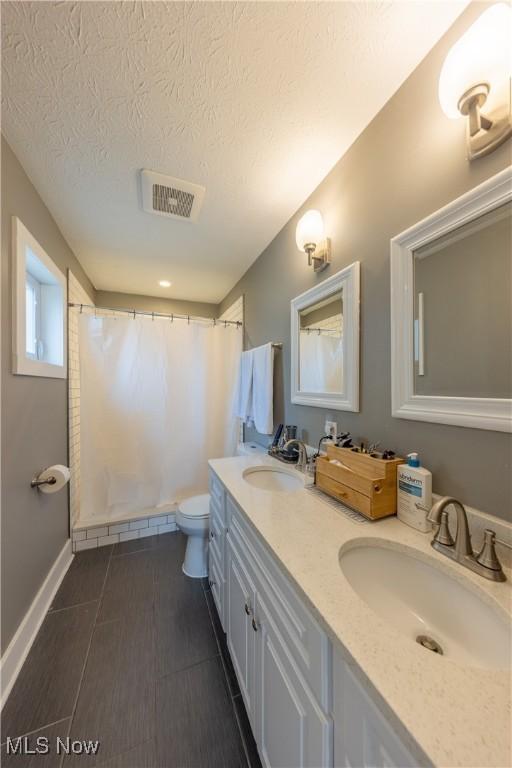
(310,239)
(478,71)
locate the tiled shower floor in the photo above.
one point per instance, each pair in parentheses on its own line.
(131,654)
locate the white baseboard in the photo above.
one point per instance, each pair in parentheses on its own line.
(21,643)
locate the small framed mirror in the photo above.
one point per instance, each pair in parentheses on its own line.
(451,312)
(325,343)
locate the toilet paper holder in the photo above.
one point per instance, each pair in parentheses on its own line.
(52,479)
(36,482)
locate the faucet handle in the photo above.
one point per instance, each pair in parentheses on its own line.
(487,556)
(443,535)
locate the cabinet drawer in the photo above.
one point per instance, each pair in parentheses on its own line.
(217,539)
(300,632)
(346,476)
(344,493)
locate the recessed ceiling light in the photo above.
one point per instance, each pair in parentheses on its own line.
(165,283)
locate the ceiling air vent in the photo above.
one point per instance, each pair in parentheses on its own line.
(167,196)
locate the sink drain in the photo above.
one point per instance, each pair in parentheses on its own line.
(429,643)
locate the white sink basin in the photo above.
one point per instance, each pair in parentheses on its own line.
(275,479)
(419,599)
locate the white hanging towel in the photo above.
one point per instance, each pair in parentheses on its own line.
(244,404)
(263,389)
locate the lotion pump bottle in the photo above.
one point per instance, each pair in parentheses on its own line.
(414,494)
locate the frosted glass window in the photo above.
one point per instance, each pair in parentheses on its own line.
(39,309)
(33,315)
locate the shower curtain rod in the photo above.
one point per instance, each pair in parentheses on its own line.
(172,316)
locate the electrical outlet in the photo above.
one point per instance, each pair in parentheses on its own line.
(331,428)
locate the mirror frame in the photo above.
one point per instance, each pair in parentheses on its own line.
(476,412)
(348,281)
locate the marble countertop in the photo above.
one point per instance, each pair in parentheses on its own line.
(458,715)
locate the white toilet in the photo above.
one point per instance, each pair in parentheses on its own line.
(193,519)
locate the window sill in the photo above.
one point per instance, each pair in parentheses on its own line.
(24,366)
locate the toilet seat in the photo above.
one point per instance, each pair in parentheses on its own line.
(196,507)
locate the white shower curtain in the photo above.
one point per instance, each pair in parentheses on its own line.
(321,363)
(156,403)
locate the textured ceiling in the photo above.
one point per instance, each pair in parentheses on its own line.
(254,100)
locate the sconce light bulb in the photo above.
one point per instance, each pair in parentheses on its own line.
(309,232)
(482,56)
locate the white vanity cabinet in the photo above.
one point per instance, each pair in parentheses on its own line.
(306,705)
(281,656)
(289,725)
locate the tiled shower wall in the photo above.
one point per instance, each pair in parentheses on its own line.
(333,324)
(90,537)
(77,295)
(235,313)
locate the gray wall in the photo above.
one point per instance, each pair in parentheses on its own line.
(34,420)
(155,304)
(408,162)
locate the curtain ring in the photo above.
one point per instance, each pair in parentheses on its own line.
(188,319)
(225,324)
(81,308)
(172,317)
(134,314)
(214,322)
(153,316)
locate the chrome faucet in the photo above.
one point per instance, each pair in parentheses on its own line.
(485,562)
(302,463)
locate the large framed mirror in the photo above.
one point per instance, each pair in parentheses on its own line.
(325,343)
(451,312)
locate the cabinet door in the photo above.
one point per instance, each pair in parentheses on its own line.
(240,603)
(217,566)
(217,538)
(217,585)
(292,731)
(362,736)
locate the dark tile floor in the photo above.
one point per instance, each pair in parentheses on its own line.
(131,654)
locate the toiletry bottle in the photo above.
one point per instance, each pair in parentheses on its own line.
(414,494)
